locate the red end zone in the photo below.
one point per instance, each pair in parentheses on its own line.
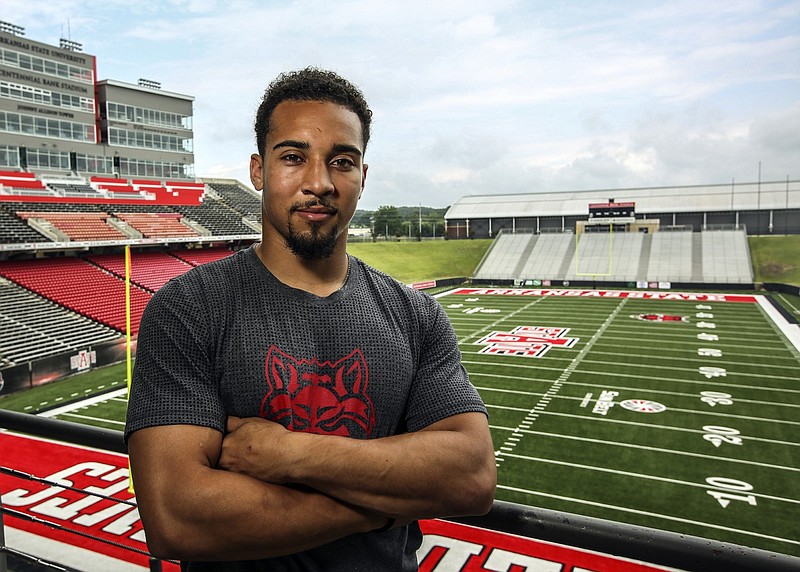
(632,294)
(447,546)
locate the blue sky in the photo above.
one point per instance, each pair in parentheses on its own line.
(473,97)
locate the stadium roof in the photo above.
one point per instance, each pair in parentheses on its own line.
(701,198)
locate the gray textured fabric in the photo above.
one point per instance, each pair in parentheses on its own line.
(373,359)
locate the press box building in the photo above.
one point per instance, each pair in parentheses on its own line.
(56,118)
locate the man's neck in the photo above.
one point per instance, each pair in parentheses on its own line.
(319,277)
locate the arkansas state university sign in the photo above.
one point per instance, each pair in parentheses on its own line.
(59,520)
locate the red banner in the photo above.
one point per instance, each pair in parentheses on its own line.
(447,546)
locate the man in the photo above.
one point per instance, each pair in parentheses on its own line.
(292,408)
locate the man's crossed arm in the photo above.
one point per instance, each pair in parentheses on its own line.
(203,496)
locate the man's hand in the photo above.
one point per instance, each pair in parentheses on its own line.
(257,448)
(445,469)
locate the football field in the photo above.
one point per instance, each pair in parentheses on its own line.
(673,411)
(680,413)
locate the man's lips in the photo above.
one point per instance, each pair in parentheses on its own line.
(315,214)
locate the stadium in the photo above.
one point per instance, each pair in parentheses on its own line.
(641,377)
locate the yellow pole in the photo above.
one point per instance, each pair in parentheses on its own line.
(128,311)
(128,336)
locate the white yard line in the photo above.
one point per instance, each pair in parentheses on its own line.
(84,403)
(651,514)
(791,331)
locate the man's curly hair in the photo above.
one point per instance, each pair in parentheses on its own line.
(310,84)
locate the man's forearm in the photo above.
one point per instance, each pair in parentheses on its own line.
(193,511)
(446,469)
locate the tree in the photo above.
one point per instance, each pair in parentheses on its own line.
(387,221)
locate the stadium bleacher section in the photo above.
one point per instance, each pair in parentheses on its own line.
(34,327)
(710,257)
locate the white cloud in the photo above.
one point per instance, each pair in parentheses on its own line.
(479,97)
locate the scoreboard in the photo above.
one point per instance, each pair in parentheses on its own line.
(612,212)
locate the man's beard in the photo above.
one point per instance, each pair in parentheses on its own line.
(313,245)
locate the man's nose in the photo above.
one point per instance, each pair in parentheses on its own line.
(318,179)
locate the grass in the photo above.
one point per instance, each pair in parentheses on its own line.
(411,261)
(776,258)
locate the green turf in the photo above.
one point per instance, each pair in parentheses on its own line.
(645,469)
(776,258)
(411,261)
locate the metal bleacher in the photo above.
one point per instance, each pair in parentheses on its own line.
(711,257)
(34,327)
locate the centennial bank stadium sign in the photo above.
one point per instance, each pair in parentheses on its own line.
(107,527)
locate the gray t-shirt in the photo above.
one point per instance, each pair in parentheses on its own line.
(371,360)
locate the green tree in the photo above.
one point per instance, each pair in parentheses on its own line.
(387,221)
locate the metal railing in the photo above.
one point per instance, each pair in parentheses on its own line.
(653,546)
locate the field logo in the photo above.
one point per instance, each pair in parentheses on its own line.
(607,400)
(660,318)
(643,406)
(526,341)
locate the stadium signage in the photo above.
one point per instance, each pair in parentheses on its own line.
(449,546)
(446,546)
(677,296)
(83,360)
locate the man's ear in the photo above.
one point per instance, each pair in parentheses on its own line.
(256,171)
(363,179)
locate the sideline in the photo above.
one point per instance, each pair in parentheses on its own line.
(84,403)
(791,331)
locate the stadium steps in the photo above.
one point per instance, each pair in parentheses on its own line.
(697,257)
(526,254)
(644,256)
(569,256)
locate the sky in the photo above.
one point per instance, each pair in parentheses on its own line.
(477,97)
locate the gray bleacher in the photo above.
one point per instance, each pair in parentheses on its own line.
(712,256)
(608,256)
(506,252)
(239,198)
(726,257)
(670,257)
(32,327)
(546,261)
(14,230)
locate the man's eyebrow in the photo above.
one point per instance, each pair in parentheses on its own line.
(291,143)
(337,148)
(345,148)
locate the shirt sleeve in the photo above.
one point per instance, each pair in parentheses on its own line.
(173,378)
(441,385)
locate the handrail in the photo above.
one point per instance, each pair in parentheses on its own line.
(658,547)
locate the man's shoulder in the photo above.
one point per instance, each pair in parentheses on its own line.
(215,275)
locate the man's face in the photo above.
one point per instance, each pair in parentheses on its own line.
(312,175)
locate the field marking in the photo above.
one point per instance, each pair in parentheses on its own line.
(89,418)
(643,389)
(650,514)
(698,358)
(487,327)
(555,386)
(668,427)
(649,448)
(641,476)
(585,417)
(694,370)
(791,331)
(84,403)
(719,413)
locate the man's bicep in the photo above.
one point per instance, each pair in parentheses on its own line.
(164,460)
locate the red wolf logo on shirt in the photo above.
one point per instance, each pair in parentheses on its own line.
(319,397)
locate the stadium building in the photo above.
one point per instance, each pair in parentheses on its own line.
(57,119)
(763,208)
